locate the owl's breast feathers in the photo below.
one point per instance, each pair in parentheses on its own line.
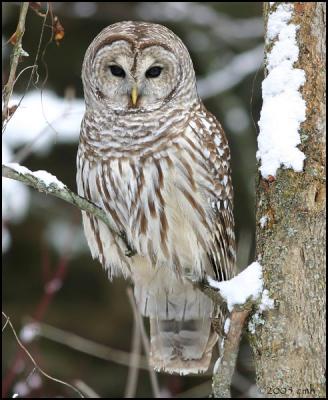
(169,190)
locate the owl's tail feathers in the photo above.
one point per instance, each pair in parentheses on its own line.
(181,347)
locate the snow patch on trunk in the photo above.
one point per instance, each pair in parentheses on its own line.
(283,107)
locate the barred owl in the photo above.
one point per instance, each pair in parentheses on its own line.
(157,162)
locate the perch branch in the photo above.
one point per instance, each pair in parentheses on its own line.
(68,196)
(213,294)
(225,366)
(17,52)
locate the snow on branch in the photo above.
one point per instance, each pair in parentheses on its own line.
(44,177)
(248,285)
(283,107)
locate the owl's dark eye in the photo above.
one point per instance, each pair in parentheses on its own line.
(153,72)
(117,71)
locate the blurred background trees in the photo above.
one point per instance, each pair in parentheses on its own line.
(48,272)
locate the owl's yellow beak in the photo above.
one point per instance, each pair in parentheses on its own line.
(134,95)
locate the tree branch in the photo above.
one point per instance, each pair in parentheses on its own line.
(16,54)
(225,365)
(67,195)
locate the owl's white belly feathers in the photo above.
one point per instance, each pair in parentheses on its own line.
(163,218)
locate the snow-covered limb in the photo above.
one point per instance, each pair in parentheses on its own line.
(44,177)
(240,293)
(283,107)
(247,285)
(47,183)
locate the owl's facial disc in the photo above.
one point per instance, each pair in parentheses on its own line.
(131,79)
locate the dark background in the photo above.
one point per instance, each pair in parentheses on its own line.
(86,303)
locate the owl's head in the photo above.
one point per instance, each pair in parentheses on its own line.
(137,66)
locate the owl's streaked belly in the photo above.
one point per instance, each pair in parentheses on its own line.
(159,205)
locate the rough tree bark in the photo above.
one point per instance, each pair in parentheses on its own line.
(289,348)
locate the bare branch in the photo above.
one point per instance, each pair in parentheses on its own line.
(89,347)
(86,389)
(145,342)
(16,54)
(132,381)
(34,362)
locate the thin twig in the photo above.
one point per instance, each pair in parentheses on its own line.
(86,389)
(5,325)
(89,347)
(17,51)
(22,71)
(132,380)
(34,362)
(145,342)
(35,66)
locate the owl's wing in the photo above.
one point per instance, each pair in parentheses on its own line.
(219,194)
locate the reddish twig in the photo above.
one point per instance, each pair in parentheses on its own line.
(36,367)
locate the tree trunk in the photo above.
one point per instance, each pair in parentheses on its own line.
(289,349)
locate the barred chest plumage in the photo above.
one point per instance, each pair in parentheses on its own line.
(156,187)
